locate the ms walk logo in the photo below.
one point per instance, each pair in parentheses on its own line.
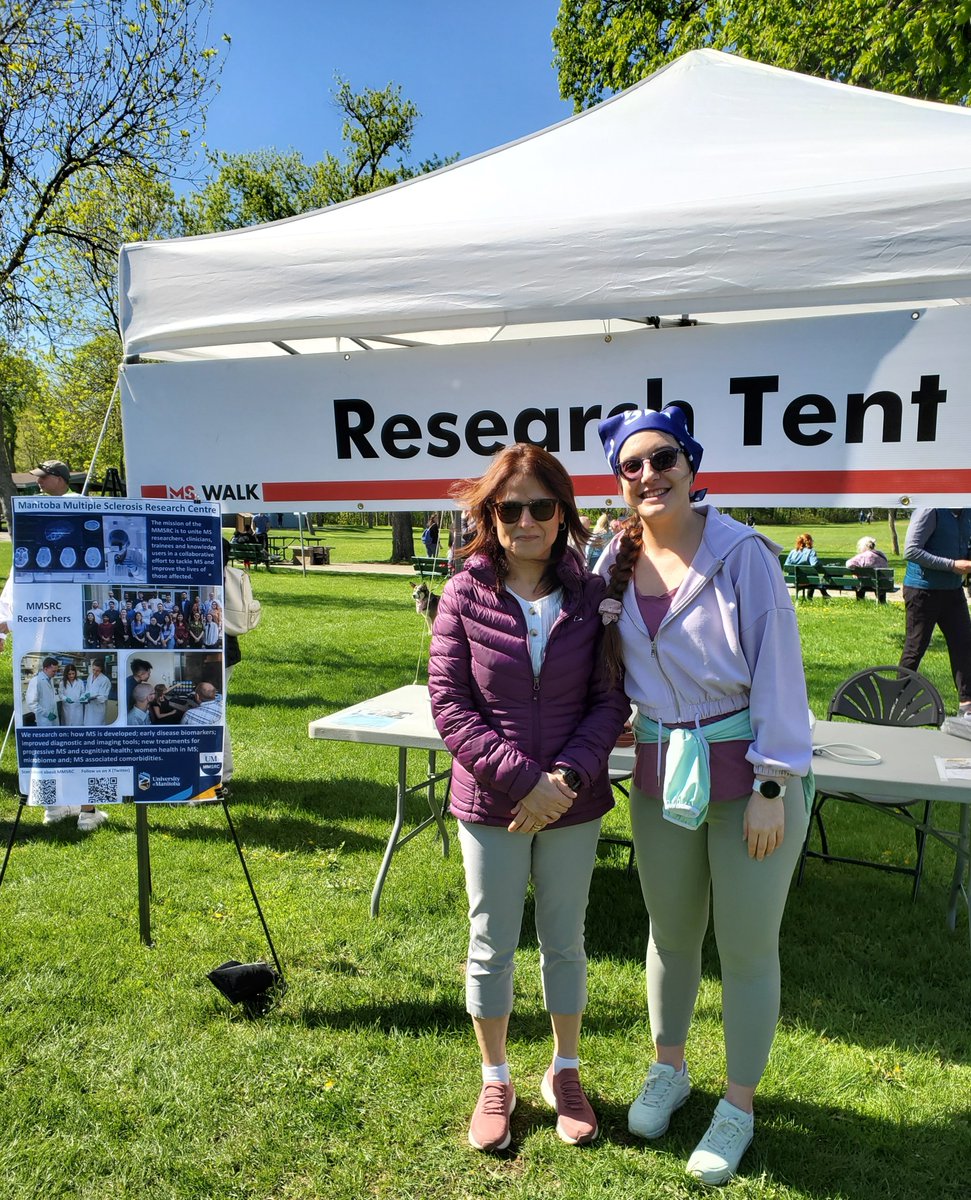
(214,491)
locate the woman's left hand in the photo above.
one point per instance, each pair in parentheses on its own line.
(763,825)
(547,802)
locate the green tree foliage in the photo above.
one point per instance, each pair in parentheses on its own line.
(23,387)
(270,184)
(67,421)
(78,288)
(919,48)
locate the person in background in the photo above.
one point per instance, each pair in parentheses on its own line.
(261,528)
(141,696)
(867,555)
(598,540)
(523,707)
(71,691)
(91,634)
(54,478)
(161,710)
(208,707)
(97,693)
(106,633)
(181,629)
(699,620)
(804,555)
(41,697)
(938,554)
(231,656)
(168,632)
(429,536)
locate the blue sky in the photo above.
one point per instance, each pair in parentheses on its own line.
(480,73)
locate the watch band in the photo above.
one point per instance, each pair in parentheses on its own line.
(570,777)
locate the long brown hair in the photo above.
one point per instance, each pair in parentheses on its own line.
(479,496)
(621,570)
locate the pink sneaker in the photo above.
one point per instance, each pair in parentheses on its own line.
(575,1119)
(489,1129)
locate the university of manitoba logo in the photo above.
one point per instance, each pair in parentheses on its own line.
(144,781)
(210,765)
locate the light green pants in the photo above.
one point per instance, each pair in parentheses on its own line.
(679,870)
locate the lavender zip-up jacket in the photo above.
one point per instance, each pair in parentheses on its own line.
(502,726)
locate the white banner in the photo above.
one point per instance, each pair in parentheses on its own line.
(863,410)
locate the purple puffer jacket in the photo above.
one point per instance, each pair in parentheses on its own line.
(502,728)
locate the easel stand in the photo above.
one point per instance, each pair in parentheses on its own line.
(144,861)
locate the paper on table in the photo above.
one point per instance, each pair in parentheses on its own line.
(370,718)
(954,770)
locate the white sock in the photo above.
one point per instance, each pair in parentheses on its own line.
(562,1064)
(498,1074)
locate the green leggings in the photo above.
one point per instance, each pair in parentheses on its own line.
(679,869)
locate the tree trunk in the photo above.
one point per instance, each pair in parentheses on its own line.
(892,522)
(7,488)
(402,538)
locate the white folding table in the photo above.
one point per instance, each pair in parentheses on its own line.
(907,770)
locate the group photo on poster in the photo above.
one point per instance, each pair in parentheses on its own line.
(181,618)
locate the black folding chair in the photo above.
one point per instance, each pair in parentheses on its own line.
(881,696)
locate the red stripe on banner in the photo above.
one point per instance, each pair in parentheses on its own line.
(752,483)
(903,481)
(365,490)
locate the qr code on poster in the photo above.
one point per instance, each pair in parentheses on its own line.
(102,789)
(43,791)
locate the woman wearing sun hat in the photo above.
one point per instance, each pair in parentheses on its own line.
(699,619)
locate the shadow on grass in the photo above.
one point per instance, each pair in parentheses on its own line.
(408,1016)
(818,1151)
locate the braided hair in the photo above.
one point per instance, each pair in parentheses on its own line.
(628,552)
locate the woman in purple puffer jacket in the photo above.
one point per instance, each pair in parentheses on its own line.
(519,696)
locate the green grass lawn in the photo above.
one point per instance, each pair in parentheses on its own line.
(353,543)
(123,1073)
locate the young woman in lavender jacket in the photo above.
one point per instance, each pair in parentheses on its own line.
(520,697)
(699,617)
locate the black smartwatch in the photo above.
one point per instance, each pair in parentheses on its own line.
(570,777)
(771,789)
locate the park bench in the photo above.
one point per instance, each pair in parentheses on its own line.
(833,575)
(429,568)
(249,553)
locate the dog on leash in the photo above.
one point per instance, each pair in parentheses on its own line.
(426,602)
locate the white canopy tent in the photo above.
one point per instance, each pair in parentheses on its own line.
(717,188)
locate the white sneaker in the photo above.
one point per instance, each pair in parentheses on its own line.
(88,821)
(717,1155)
(57,812)
(663,1093)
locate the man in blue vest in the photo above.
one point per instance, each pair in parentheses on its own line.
(938,553)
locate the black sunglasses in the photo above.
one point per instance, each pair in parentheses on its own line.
(664,459)
(509,511)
